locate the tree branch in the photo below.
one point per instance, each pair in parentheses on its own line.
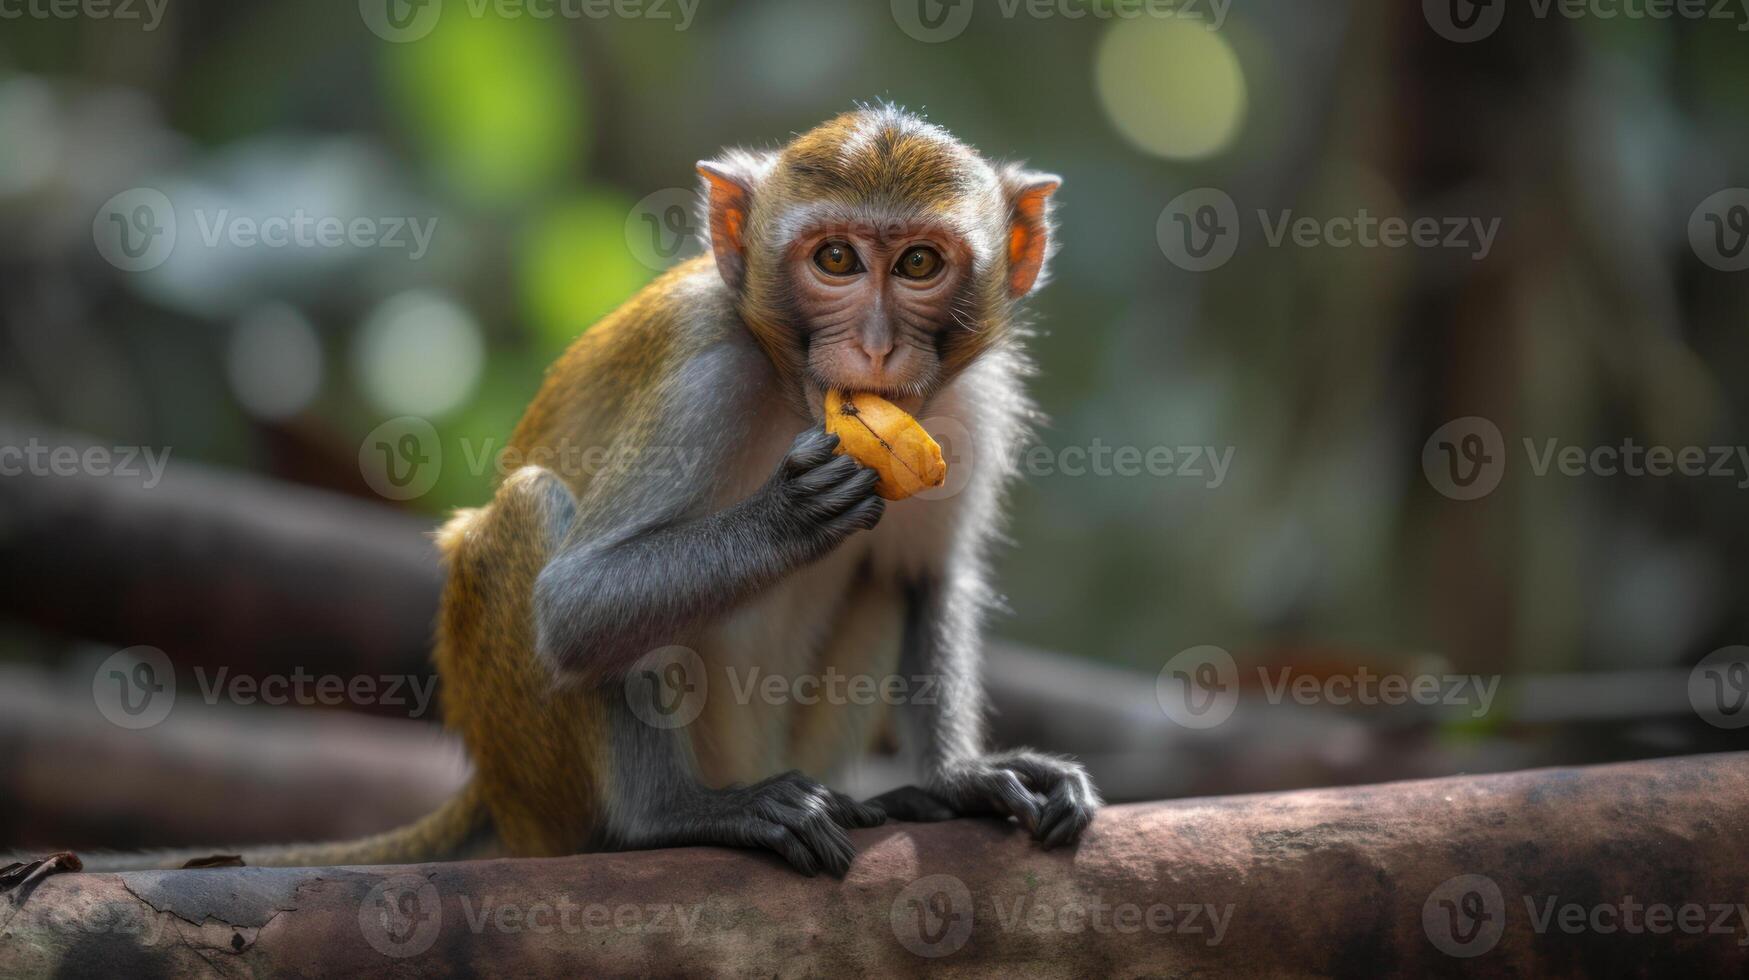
(1333,882)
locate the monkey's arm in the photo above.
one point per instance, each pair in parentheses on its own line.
(1051,796)
(578,766)
(644,568)
(604,602)
(647,563)
(657,798)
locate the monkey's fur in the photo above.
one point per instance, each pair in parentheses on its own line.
(766,555)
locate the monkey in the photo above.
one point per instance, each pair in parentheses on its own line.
(873,253)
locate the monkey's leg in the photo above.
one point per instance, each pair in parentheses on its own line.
(538,750)
(657,799)
(1051,796)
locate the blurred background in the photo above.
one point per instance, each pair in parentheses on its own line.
(276,241)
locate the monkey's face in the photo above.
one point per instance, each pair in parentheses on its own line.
(872,301)
(876,252)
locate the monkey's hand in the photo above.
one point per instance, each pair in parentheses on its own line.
(816,499)
(1050,796)
(791,814)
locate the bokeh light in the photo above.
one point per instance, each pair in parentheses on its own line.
(27,111)
(419,353)
(785,46)
(274,361)
(1172,87)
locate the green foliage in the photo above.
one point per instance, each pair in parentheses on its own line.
(574,267)
(495,103)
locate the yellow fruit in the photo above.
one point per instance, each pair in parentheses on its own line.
(885,438)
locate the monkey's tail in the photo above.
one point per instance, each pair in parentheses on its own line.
(454,829)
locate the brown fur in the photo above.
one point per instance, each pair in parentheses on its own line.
(524,735)
(540,747)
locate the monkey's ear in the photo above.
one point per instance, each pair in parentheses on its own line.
(1029,226)
(728,188)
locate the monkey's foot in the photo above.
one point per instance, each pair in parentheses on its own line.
(1050,796)
(795,816)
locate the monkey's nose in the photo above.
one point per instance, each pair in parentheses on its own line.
(876,345)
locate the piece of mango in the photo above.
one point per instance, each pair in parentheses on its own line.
(885,438)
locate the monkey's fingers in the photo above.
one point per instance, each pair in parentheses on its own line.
(1067,812)
(861,517)
(810,449)
(850,813)
(1070,800)
(810,812)
(828,846)
(995,785)
(1038,773)
(827,840)
(1012,797)
(833,476)
(830,492)
(777,837)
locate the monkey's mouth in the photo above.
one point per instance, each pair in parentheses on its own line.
(906,397)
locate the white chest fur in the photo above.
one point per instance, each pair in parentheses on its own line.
(773,660)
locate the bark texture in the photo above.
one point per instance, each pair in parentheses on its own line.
(1449,876)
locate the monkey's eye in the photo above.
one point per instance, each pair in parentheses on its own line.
(920,262)
(837,259)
